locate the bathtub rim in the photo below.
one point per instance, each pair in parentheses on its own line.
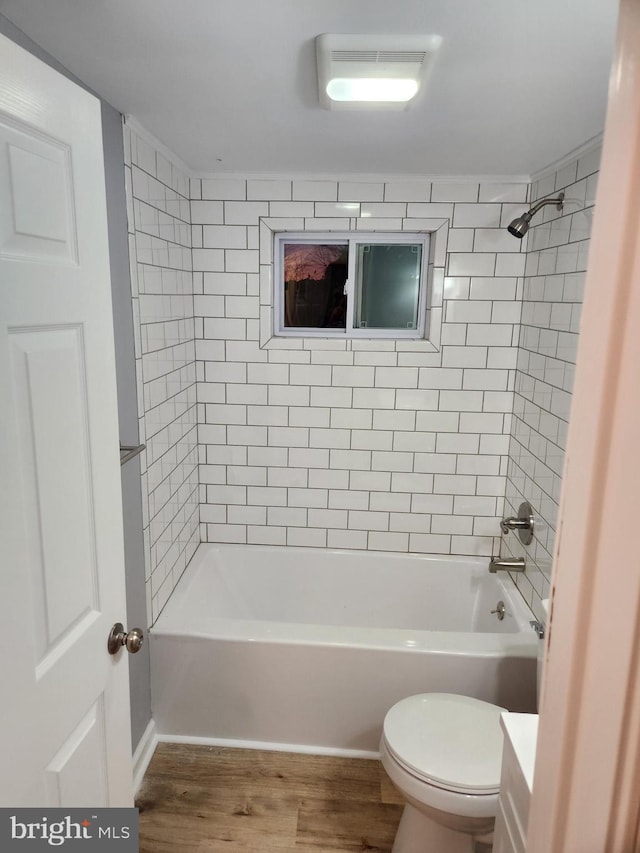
(520,643)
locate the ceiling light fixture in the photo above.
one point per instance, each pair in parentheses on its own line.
(358,72)
(371,89)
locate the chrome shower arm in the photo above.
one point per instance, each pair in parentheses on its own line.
(557,201)
(520,225)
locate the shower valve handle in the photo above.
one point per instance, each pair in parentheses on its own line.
(514,523)
(523,523)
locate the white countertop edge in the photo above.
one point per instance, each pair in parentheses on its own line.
(522,732)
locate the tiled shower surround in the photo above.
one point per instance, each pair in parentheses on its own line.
(366,444)
(369,444)
(553,290)
(162,289)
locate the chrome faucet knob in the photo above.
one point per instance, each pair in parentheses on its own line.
(523,523)
(500,610)
(514,523)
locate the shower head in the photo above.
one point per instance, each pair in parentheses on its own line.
(519,226)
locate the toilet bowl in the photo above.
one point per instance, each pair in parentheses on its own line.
(443,752)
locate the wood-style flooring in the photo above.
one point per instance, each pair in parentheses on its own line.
(200,799)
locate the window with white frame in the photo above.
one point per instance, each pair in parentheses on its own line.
(354,285)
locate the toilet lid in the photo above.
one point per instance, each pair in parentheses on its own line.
(453,742)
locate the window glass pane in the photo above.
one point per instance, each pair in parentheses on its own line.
(388,286)
(314,279)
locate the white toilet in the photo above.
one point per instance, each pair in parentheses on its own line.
(444,753)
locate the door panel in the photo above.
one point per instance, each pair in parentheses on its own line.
(77,773)
(52,429)
(64,724)
(37,219)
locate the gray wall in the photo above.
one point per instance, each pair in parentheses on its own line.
(125,372)
(139,667)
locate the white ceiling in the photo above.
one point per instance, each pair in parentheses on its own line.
(230,85)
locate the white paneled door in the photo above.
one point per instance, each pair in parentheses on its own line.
(64,702)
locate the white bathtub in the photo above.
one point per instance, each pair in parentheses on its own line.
(306,649)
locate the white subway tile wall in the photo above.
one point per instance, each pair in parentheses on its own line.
(556,264)
(364,444)
(377,445)
(160,246)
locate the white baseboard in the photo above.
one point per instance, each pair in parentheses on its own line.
(143,754)
(268,746)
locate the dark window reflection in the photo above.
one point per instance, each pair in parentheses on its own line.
(315,275)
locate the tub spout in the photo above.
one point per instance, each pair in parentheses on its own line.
(516,564)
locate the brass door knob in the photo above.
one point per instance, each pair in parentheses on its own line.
(118,637)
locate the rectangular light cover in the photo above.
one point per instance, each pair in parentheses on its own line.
(372,71)
(371,89)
